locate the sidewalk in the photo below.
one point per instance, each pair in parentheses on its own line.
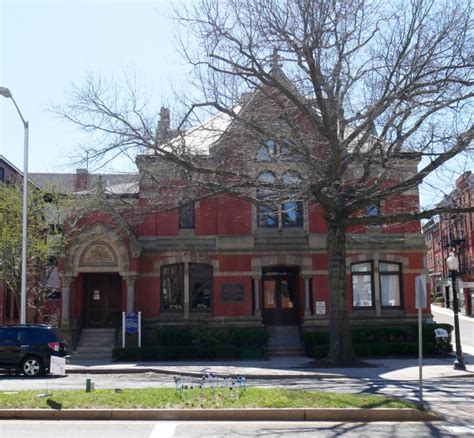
(289,368)
(449,312)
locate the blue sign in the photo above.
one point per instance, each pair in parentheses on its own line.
(131,322)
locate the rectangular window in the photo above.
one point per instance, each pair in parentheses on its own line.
(362,285)
(186,216)
(292,214)
(172,287)
(390,284)
(200,285)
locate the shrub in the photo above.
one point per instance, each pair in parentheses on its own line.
(383,341)
(185,343)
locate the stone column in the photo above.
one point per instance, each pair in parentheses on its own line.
(256,290)
(186,291)
(377,292)
(130,280)
(307,298)
(65,299)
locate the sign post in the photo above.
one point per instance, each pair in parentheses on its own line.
(131,324)
(420,288)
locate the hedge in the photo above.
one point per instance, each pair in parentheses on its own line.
(382,341)
(186,343)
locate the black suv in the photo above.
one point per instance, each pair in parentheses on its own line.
(28,348)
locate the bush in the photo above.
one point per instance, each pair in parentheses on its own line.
(383,341)
(186,343)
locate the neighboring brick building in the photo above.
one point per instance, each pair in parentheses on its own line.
(440,232)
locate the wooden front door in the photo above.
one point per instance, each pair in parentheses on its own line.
(103,294)
(279,301)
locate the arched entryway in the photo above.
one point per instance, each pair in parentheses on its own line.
(96,280)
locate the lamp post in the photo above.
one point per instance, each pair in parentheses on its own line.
(453,265)
(5,92)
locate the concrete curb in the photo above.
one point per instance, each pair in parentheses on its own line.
(198,374)
(257,414)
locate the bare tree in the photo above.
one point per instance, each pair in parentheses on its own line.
(374,96)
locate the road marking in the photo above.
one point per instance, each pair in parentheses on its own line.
(164,429)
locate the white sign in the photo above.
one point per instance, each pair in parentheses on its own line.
(420,288)
(320,307)
(58,365)
(441,333)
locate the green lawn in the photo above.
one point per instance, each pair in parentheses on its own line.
(167,398)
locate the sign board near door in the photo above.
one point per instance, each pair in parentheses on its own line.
(320,307)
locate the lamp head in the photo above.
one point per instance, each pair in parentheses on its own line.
(452,262)
(5,92)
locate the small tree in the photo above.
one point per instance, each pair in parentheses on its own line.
(45,242)
(375,96)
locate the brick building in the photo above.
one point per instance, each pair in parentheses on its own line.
(440,232)
(214,258)
(221,259)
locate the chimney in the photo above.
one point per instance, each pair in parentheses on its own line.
(163,125)
(80,182)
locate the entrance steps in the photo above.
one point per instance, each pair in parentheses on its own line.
(285,340)
(95,344)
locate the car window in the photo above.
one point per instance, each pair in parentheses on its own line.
(10,336)
(40,336)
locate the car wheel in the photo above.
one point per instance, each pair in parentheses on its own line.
(32,367)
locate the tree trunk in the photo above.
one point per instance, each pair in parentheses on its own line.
(340,334)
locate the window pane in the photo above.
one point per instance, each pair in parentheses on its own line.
(186,216)
(267,217)
(200,283)
(361,267)
(287,149)
(271,146)
(389,267)
(362,290)
(390,290)
(172,287)
(263,154)
(292,214)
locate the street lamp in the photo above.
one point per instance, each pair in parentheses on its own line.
(453,265)
(5,92)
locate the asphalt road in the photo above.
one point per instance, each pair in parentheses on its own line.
(170,429)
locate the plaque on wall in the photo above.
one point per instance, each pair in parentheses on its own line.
(232,292)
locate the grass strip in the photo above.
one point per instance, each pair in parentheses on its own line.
(196,398)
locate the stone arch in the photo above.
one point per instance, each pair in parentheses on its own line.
(377,256)
(97,249)
(187,259)
(304,263)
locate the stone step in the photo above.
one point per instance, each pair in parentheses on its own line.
(95,349)
(92,356)
(289,352)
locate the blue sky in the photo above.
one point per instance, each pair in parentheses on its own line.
(45,46)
